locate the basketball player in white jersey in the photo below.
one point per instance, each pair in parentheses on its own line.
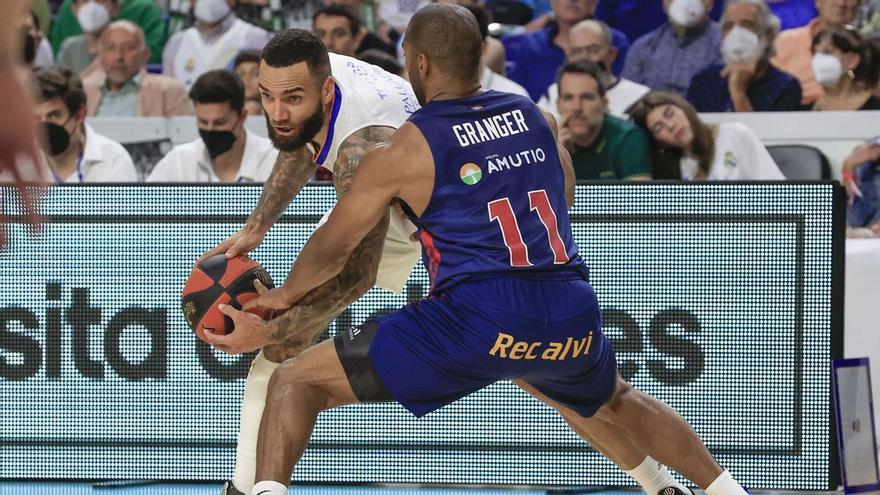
(331,118)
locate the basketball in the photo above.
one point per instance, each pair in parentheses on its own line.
(218,280)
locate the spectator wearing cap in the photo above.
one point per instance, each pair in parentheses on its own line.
(794,53)
(592,40)
(74,151)
(212,43)
(748,82)
(667,58)
(225,152)
(144,13)
(123,88)
(534,58)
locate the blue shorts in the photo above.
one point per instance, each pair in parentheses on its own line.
(544,329)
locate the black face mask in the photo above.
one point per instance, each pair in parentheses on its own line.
(217,142)
(58,138)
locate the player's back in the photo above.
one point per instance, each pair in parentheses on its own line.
(498,204)
(366,95)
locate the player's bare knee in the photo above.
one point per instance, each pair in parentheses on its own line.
(289,382)
(623,393)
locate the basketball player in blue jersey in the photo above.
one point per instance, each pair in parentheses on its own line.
(484,179)
(328,110)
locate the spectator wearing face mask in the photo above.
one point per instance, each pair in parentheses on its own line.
(74,151)
(79,52)
(848,68)
(747,83)
(123,88)
(226,151)
(212,43)
(36,42)
(592,40)
(144,13)
(667,58)
(793,46)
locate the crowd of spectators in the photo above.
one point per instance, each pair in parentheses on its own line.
(626,79)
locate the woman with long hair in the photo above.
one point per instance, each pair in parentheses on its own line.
(848,67)
(683,147)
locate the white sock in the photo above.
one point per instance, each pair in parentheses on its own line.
(724,484)
(269,488)
(654,477)
(252,404)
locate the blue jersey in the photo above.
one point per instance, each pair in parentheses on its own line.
(498,204)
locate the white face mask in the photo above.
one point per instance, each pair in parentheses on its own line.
(211,11)
(742,45)
(827,69)
(686,13)
(93,17)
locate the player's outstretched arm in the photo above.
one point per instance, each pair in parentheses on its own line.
(291,171)
(354,218)
(298,327)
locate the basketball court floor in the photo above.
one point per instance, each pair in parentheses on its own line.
(78,488)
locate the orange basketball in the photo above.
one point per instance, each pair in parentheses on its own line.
(218,280)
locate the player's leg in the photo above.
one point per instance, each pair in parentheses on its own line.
(663,433)
(252,405)
(615,444)
(399,256)
(299,389)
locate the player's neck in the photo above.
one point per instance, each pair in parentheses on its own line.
(453,91)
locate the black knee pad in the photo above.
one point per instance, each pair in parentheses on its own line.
(353,349)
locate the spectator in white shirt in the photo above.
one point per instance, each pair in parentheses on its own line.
(74,151)
(683,147)
(226,151)
(212,43)
(489,79)
(593,40)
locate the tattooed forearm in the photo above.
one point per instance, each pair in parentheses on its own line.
(301,325)
(292,170)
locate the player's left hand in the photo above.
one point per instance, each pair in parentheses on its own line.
(277,298)
(250,332)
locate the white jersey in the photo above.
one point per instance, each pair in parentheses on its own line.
(366,96)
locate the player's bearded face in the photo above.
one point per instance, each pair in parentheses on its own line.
(300,134)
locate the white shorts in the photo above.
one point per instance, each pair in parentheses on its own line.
(399,254)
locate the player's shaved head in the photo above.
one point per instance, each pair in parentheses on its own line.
(448,34)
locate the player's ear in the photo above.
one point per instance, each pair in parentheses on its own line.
(327,91)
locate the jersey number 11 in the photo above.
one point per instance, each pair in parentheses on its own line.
(502,211)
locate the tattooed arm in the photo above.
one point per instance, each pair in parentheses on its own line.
(291,171)
(302,324)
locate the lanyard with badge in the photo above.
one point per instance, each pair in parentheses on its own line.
(79,174)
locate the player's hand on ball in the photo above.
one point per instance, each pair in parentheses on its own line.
(250,333)
(240,243)
(277,298)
